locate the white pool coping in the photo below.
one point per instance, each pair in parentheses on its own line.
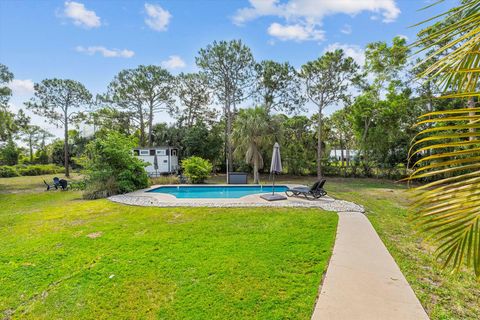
(157,199)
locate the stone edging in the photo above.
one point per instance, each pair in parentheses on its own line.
(328,205)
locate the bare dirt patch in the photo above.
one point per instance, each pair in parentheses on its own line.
(95,235)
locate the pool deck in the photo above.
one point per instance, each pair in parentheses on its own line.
(157,199)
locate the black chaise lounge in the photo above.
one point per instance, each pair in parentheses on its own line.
(57,183)
(315,192)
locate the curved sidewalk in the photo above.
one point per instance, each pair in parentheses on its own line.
(363,281)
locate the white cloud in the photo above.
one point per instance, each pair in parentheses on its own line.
(310,13)
(259,8)
(346,29)
(174,62)
(80,15)
(107,53)
(158,18)
(21,87)
(403,36)
(295,32)
(350,50)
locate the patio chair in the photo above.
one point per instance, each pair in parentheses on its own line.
(315,192)
(57,183)
(62,183)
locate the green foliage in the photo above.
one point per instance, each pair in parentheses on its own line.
(9,154)
(327,80)
(204,142)
(141,92)
(111,167)
(60,101)
(252,132)
(449,146)
(195,99)
(298,143)
(229,68)
(5,92)
(278,87)
(170,179)
(29,170)
(41,157)
(57,153)
(196,169)
(8,172)
(39,169)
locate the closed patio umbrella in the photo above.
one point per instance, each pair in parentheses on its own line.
(275,167)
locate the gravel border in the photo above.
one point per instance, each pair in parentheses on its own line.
(326,203)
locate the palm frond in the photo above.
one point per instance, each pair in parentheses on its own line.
(449,145)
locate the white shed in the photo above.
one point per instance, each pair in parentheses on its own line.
(167,159)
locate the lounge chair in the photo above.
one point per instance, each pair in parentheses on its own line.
(315,192)
(57,183)
(62,183)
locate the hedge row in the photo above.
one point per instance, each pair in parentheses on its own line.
(29,170)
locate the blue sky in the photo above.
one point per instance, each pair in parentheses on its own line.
(91,41)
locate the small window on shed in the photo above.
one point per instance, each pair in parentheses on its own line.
(144,152)
(136,153)
(165,161)
(174,152)
(160,152)
(152,152)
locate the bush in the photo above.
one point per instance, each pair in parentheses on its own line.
(8,172)
(111,167)
(170,179)
(42,157)
(39,169)
(9,154)
(196,169)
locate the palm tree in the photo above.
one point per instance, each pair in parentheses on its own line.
(449,206)
(251,131)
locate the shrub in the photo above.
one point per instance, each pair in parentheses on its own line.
(170,179)
(39,169)
(111,168)
(42,157)
(78,185)
(8,172)
(9,154)
(196,169)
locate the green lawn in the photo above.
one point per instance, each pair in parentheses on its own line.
(62,257)
(175,263)
(442,294)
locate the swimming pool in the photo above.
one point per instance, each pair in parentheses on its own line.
(215,191)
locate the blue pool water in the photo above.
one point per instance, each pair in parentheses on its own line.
(216,191)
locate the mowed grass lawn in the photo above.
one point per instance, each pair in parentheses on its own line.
(62,257)
(445,296)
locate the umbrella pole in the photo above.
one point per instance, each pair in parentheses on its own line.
(273,188)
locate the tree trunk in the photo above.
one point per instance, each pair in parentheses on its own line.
(65,148)
(31,148)
(341,153)
(142,126)
(150,123)
(255,171)
(228,139)
(364,140)
(319,145)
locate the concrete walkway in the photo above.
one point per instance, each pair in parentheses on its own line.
(363,281)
